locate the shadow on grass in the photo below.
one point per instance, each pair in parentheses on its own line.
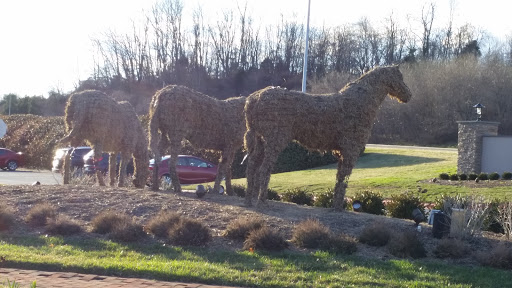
(379,160)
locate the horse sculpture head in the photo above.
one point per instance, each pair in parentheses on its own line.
(396,87)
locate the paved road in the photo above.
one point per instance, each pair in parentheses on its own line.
(27,177)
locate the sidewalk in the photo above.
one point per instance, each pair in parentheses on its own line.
(65,279)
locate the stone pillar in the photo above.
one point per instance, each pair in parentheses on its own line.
(470,144)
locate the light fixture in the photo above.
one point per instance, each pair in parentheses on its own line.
(479,111)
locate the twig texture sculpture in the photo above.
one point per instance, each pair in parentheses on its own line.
(108,126)
(179,113)
(339,122)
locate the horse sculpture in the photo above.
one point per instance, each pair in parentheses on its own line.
(179,113)
(339,122)
(109,126)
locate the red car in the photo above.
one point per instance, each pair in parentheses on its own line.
(10,160)
(191,170)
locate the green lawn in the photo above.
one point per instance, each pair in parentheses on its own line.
(286,269)
(389,171)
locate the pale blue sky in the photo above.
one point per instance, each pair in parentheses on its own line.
(46,44)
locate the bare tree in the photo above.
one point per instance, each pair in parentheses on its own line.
(427,20)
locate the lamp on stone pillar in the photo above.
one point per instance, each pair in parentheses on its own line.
(478,108)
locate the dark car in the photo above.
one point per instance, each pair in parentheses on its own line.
(190,169)
(77,157)
(10,160)
(92,163)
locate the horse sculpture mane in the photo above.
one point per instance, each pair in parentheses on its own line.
(340,122)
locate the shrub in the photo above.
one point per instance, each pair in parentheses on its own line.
(298,196)
(238,190)
(494,176)
(506,175)
(402,205)
(406,245)
(7,217)
(106,221)
(444,176)
(499,257)
(265,238)
(342,244)
(483,176)
(63,225)
(491,222)
(240,228)
(39,215)
(451,248)
(127,231)
(472,176)
(463,177)
(375,234)
(324,199)
(454,177)
(272,195)
(310,234)
(446,202)
(162,222)
(189,232)
(371,202)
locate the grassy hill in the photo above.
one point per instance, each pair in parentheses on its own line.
(390,170)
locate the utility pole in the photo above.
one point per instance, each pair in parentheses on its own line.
(305,68)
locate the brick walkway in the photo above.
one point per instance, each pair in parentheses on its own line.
(77,280)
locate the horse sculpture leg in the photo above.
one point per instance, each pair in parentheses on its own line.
(255,154)
(66,167)
(125,157)
(272,147)
(112,168)
(174,147)
(228,173)
(224,170)
(99,175)
(345,165)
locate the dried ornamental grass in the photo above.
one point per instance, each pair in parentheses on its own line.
(240,228)
(376,234)
(189,232)
(63,225)
(108,126)
(179,113)
(162,222)
(339,122)
(106,221)
(7,217)
(310,234)
(40,214)
(265,238)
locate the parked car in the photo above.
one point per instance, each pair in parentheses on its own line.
(92,163)
(190,169)
(77,154)
(10,160)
